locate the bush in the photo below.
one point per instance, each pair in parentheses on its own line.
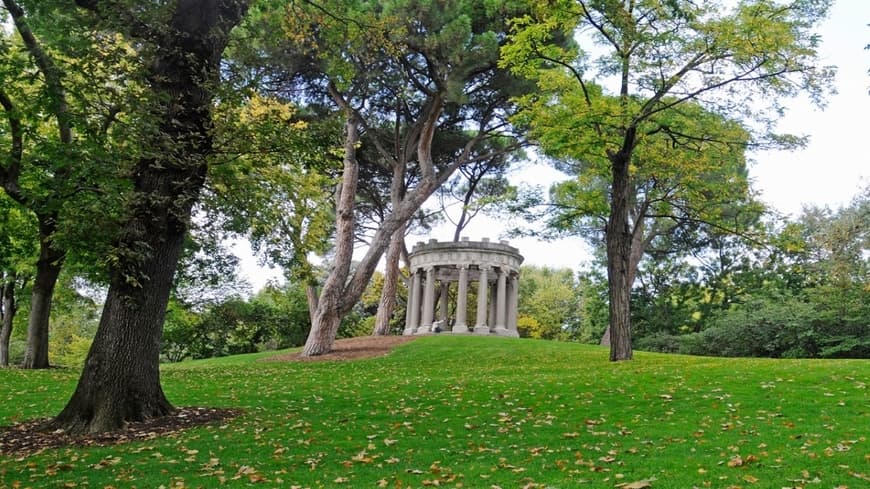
(74,352)
(762,327)
(659,342)
(273,319)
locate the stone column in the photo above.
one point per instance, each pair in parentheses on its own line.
(412,316)
(460,325)
(482,290)
(428,302)
(513,305)
(442,313)
(501,302)
(492,296)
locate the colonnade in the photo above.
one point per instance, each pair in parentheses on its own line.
(435,267)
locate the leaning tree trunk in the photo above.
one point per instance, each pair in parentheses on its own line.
(7,315)
(391,284)
(387,303)
(121,377)
(618,241)
(48,268)
(327,316)
(341,291)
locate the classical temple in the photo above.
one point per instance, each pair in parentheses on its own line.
(436,266)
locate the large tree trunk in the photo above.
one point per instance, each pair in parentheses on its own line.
(7,315)
(48,268)
(121,377)
(387,304)
(328,315)
(618,240)
(639,244)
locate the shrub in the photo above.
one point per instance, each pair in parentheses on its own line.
(659,342)
(762,327)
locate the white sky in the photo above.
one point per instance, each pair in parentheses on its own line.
(828,172)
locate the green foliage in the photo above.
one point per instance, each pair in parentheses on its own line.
(654,118)
(76,93)
(529,327)
(361,319)
(762,327)
(549,299)
(274,318)
(286,166)
(74,320)
(481,412)
(17,246)
(804,295)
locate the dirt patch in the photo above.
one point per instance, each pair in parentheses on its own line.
(350,349)
(30,437)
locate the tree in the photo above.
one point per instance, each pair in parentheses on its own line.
(285,159)
(834,257)
(472,185)
(60,132)
(475,188)
(17,251)
(682,193)
(51,257)
(550,302)
(665,57)
(183,46)
(409,58)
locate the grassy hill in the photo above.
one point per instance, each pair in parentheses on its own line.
(479,413)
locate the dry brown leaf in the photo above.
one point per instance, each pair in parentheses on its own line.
(641,484)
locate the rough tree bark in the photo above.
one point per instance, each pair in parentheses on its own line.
(639,243)
(313,298)
(48,268)
(121,378)
(618,239)
(327,316)
(8,308)
(387,303)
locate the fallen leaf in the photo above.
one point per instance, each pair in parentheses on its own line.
(641,484)
(736,461)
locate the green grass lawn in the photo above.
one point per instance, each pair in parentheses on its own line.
(479,412)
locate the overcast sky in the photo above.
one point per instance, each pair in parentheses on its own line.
(828,172)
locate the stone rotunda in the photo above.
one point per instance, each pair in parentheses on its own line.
(435,267)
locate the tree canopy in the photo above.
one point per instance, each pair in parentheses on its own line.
(638,83)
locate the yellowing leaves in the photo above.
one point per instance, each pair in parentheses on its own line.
(265,108)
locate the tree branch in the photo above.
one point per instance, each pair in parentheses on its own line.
(53,77)
(9,173)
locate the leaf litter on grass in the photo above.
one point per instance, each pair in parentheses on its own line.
(661,420)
